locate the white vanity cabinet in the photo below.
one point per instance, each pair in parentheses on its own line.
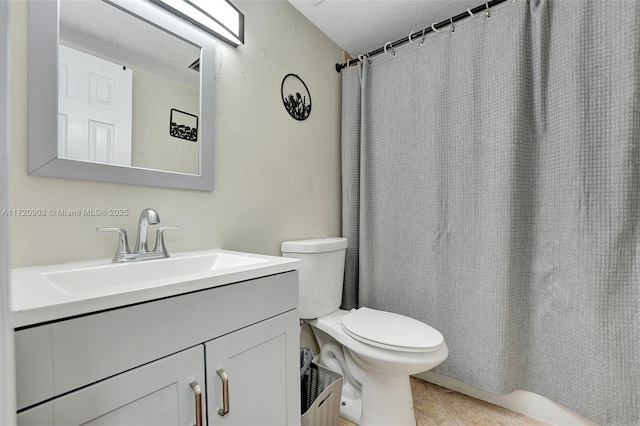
(156,394)
(135,365)
(258,366)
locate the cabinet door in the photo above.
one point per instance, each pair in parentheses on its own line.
(156,394)
(261,363)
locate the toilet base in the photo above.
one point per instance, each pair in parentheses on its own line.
(351,409)
(387,401)
(382,401)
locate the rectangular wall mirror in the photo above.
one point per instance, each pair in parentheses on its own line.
(120,91)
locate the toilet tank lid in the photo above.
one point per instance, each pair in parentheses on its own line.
(315,245)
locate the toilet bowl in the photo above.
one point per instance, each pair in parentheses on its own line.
(375,351)
(376,364)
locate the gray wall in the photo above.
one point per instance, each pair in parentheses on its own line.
(275,178)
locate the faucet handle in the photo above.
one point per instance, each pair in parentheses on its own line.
(160,247)
(123,243)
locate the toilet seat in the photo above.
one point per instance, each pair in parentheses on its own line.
(391,331)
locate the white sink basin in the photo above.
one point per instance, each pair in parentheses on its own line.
(48,293)
(131,276)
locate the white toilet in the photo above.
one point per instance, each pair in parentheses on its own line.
(375,351)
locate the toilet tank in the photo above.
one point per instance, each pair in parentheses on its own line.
(321,273)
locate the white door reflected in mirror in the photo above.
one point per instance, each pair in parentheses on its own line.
(94,108)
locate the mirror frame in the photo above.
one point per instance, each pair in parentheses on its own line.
(44,30)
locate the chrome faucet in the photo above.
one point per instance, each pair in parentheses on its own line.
(124,254)
(147,217)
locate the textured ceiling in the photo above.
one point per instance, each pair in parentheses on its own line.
(357,26)
(113,34)
(360,26)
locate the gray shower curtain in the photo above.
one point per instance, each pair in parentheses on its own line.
(491,188)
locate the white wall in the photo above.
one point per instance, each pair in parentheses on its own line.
(275,178)
(152,146)
(7,375)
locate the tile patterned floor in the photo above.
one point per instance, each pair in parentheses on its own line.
(435,405)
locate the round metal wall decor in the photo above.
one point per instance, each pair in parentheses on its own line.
(296,97)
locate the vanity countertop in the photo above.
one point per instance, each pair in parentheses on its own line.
(48,293)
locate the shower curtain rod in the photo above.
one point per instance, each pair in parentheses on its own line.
(483,8)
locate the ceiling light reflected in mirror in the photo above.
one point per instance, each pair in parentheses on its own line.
(218,17)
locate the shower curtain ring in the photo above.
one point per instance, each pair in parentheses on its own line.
(390,47)
(453,28)
(410,35)
(471,13)
(369,60)
(486,5)
(433,27)
(361,58)
(424,35)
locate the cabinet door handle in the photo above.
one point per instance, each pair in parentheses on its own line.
(197,390)
(225,393)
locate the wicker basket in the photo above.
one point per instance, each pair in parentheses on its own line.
(321,391)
